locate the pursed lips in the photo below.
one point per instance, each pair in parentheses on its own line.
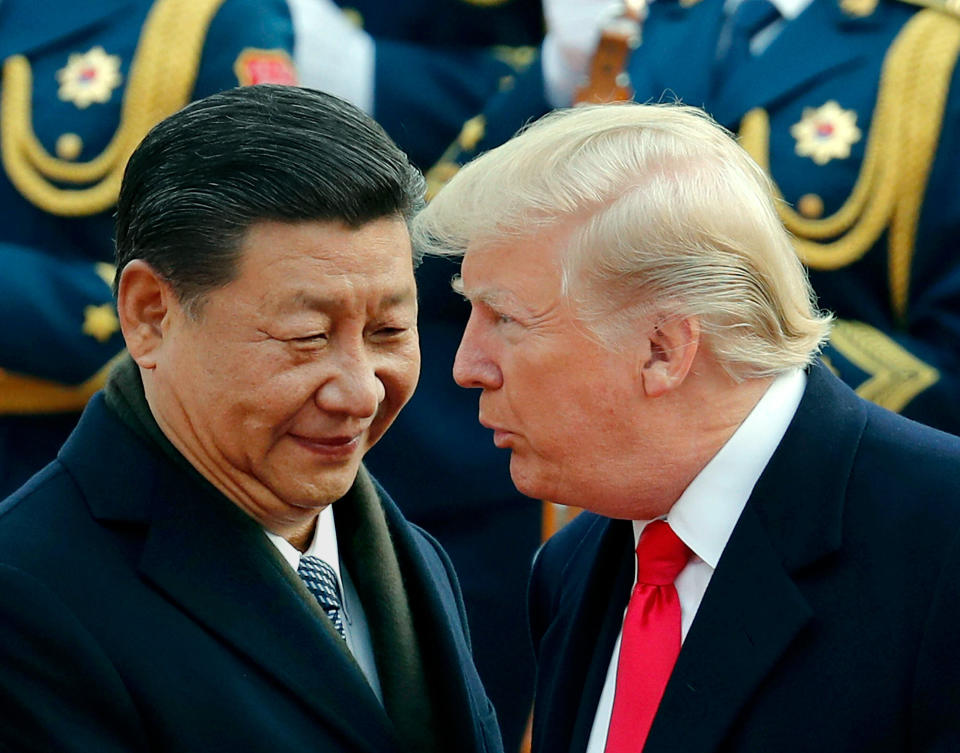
(501,437)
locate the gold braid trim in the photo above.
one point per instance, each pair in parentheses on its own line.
(26,395)
(899,154)
(160,82)
(931,61)
(897,376)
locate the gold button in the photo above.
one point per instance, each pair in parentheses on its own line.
(810,206)
(69,146)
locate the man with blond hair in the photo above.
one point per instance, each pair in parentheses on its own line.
(646,344)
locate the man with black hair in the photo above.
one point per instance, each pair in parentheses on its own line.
(149,589)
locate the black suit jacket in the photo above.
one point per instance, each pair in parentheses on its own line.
(829,624)
(139,611)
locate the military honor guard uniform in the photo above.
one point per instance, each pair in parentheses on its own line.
(82,83)
(419,67)
(438,61)
(853,106)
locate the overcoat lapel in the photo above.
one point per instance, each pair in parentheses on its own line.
(753,608)
(216,564)
(446,655)
(221,569)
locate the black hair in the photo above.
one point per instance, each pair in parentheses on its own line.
(202,176)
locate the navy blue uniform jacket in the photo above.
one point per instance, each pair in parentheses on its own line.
(138,612)
(829,624)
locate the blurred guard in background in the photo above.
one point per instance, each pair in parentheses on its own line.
(854,108)
(82,84)
(421,67)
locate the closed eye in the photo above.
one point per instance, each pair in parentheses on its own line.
(315,337)
(386,333)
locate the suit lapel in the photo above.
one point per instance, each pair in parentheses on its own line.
(581,635)
(216,564)
(750,615)
(790,63)
(753,609)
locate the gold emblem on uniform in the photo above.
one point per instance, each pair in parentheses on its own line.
(100,322)
(89,77)
(825,133)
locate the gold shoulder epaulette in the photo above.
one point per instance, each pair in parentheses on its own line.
(947,6)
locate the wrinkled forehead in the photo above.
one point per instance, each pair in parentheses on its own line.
(312,264)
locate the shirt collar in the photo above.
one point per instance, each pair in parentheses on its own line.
(705,514)
(323,544)
(788,9)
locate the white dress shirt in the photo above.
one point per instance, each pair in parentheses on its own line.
(355,627)
(705,514)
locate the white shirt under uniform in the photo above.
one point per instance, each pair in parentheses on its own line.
(707,511)
(355,627)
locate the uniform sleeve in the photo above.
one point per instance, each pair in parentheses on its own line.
(53,307)
(58,690)
(916,375)
(248,42)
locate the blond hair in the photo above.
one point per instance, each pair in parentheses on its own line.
(670,215)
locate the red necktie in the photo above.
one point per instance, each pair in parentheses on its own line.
(650,641)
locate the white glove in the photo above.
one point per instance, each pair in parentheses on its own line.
(573,31)
(331,53)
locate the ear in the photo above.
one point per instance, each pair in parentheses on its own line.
(143,301)
(674,344)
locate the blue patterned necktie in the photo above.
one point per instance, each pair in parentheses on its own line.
(322,583)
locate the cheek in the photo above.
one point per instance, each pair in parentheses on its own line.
(399,376)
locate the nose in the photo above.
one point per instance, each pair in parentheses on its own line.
(473,365)
(353,387)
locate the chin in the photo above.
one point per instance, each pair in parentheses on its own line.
(530,487)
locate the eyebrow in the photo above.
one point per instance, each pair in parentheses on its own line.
(495,298)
